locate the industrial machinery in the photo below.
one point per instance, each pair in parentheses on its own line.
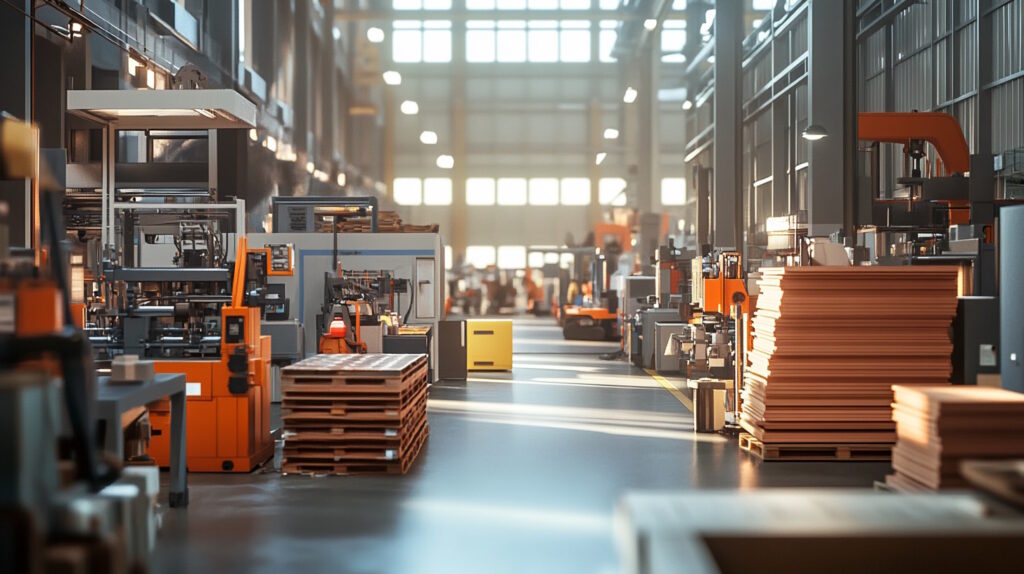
(201,318)
(354,302)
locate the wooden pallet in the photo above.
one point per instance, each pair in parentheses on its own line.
(814,451)
(341,412)
(359,374)
(349,468)
(298,450)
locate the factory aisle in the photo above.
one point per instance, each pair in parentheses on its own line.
(521,474)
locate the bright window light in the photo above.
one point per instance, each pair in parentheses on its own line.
(407,4)
(511,45)
(650,24)
(542,4)
(480,4)
(609,4)
(543,191)
(437,42)
(763,4)
(575,191)
(437,4)
(428,137)
(437,191)
(410,108)
(574,45)
(447,257)
(510,4)
(606,43)
(535,260)
(611,191)
(480,256)
(480,191)
(599,158)
(445,161)
(480,45)
(542,45)
(511,257)
(392,78)
(630,96)
(253,135)
(611,133)
(511,191)
(673,191)
(408,191)
(407,45)
(375,35)
(575,4)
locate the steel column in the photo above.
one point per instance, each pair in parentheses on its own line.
(726,204)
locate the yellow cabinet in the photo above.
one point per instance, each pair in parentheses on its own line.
(489,345)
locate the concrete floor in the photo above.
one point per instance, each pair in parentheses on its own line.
(521,474)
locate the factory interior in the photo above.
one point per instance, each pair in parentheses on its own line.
(506,286)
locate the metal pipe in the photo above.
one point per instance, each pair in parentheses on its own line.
(153,311)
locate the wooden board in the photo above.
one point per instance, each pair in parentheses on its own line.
(813,451)
(358,467)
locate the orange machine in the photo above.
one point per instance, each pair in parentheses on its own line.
(336,340)
(728,288)
(228,412)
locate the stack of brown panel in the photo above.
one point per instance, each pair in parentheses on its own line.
(938,427)
(829,343)
(387,222)
(354,414)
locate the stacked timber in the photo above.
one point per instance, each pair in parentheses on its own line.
(354,414)
(829,343)
(387,222)
(939,427)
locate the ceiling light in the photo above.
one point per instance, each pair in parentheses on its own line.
(600,158)
(445,161)
(253,135)
(687,105)
(342,179)
(76,29)
(611,133)
(392,78)
(814,132)
(650,24)
(310,167)
(336,32)
(428,137)
(630,96)
(410,108)
(375,35)
(272,143)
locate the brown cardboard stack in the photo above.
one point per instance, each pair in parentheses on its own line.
(387,222)
(938,427)
(829,343)
(354,414)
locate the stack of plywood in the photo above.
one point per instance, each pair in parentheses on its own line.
(938,427)
(354,414)
(387,222)
(829,343)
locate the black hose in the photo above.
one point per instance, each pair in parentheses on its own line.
(412,299)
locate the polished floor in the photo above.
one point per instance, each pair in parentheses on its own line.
(521,474)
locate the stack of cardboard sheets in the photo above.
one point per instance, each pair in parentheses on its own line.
(938,427)
(387,222)
(354,414)
(829,343)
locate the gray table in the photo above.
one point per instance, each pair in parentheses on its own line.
(114,399)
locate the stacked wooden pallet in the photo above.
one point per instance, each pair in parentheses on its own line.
(354,414)
(938,427)
(387,222)
(829,343)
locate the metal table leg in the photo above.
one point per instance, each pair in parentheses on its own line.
(179,470)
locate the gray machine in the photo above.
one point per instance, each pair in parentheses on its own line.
(666,358)
(1011,305)
(649,345)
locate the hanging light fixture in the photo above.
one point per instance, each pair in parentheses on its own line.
(814,132)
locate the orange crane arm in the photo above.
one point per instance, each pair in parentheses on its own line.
(238,281)
(937,128)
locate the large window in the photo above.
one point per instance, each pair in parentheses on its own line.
(543,191)
(575,191)
(414,41)
(521,41)
(673,191)
(408,191)
(480,256)
(606,40)
(673,38)
(511,257)
(421,4)
(527,4)
(480,191)
(612,191)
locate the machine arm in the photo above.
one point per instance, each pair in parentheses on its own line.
(939,129)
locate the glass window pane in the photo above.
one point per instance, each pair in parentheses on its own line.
(575,191)
(447,257)
(611,191)
(535,260)
(764,4)
(575,4)
(511,4)
(408,191)
(480,46)
(543,4)
(543,191)
(407,45)
(511,257)
(575,46)
(479,191)
(543,45)
(437,4)
(437,46)
(673,191)
(511,45)
(407,4)
(480,4)
(609,4)
(480,256)
(437,191)
(607,44)
(511,191)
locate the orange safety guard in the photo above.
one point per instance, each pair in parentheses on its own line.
(937,128)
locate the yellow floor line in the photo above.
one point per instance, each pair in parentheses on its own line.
(672,389)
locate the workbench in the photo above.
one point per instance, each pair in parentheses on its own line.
(113,399)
